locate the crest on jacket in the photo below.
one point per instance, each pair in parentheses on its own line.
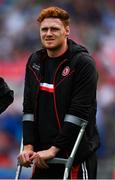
(66,71)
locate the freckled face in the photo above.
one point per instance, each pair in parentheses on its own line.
(53,33)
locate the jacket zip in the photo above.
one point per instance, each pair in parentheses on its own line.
(54,96)
(37,92)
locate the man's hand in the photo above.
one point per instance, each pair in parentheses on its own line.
(42,156)
(25,158)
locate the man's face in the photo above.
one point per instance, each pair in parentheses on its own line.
(53,33)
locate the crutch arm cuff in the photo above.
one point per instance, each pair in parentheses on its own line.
(75,120)
(28,117)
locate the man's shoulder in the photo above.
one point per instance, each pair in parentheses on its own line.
(78,52)
(82,59)
(36,56)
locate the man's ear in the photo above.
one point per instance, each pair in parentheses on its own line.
(67,31)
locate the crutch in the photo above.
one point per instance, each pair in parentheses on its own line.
(19,167)
(67,162)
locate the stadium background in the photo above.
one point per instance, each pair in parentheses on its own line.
(92,25)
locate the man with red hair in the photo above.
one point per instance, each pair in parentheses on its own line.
(59,93)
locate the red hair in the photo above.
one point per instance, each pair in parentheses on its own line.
(54,12)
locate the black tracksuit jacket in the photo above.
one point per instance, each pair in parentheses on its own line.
(74,94)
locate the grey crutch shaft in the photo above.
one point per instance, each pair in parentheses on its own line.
(19,167)
(18,172)
(74,150)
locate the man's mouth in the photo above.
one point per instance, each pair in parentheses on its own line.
(49,40)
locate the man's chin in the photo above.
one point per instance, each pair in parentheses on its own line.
(50,47)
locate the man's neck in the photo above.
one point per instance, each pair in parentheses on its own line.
(57,52)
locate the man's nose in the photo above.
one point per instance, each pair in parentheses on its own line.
(49,32)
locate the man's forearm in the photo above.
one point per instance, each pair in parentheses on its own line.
(28,131)
(28,147)
(54,150)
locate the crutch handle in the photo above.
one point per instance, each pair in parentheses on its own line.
(57,161)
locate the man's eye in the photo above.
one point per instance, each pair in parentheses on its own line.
(44,29)
(54,29)
(51,29)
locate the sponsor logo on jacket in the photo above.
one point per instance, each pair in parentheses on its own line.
(35,66)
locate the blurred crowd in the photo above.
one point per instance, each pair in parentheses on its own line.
(93,26)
